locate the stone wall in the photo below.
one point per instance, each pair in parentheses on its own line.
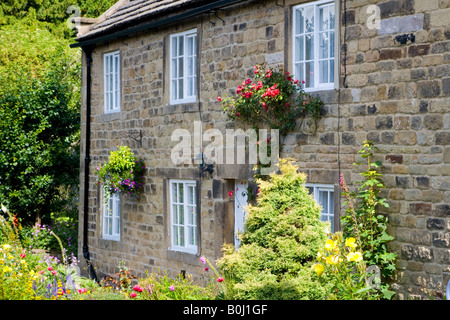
(395,91)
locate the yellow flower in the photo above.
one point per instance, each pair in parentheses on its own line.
(332,259)
(319,255)
(318,268)
(350,242)
(329,245)
(7,269)
(354,256)
(6,246)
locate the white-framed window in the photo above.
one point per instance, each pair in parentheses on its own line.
(111,217)
(324,195)
(183,67)
(183,216)
(112,81)
(313,44)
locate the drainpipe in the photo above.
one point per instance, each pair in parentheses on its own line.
(87,160)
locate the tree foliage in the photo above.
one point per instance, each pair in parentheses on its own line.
(39,105)
(50,14)
(38,129)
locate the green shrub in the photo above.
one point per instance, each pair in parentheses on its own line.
(282,236)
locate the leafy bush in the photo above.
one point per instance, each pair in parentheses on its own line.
(282,236)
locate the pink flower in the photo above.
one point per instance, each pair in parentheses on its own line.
(202,259)
(220,279)
(137,288)
(219,98)
(23,255)
(303,81)
(248,94)
(133,294)
(54,273)
(230,194)
(272,91)
(206,269)
(237,113)
(260,85)
(82,290)
(50,268)
(171,288)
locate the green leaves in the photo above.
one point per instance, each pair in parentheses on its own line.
(363,219)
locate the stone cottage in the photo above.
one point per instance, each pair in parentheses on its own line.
(151,67)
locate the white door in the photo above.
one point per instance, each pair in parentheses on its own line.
(240,201)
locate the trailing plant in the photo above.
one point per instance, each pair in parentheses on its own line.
(123,173)
(268,101)
(362,219)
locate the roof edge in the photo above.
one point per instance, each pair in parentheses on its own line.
(107,36)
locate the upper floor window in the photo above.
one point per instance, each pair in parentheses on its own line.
(183,216)
(324,195)
(314,44)
(112,81)
(111,217)
(183,67)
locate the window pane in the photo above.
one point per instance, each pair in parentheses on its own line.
(190,46)
(323,200)
(331,202)
(299,47)
(323,67)
(191,215)
(182,242)
(299,21)
(323,45)
(180,46)
(309,46)
(299,71)
(192,236)
(309,74)
(174,47)
(175,236)
(175,214)
(331,71)
(332,44)
(332,17)
(309,18)
(181,214)
(324,15)
(180,89)
(191,195)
